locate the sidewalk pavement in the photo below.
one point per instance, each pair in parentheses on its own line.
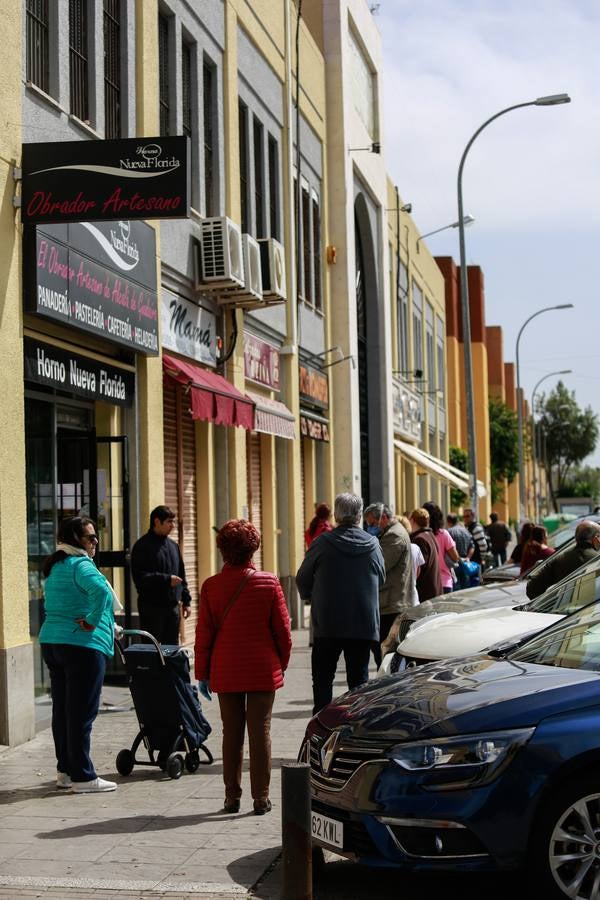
(153,837)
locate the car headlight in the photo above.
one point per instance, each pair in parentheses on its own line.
(456,762)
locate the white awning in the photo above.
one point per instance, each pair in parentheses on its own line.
(439,467)
(273,417)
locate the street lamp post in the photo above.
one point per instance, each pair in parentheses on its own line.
(551,100)
(467,220)
(537,509)
(520,401)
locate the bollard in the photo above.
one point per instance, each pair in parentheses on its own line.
(296,832)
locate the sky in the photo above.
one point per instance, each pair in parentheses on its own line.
(531,179)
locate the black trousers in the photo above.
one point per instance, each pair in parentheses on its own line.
(76,676)
(325,655)
(161,621)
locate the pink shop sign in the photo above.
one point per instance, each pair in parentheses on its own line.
(261,362)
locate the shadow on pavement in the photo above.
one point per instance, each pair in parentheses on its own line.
(135,824)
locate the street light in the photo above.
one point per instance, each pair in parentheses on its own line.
(520,401)
(467,220)
(551,100)
(537,511)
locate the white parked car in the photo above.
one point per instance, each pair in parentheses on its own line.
(451,634)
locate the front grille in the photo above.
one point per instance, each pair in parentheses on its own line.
(345,761)
(356,837)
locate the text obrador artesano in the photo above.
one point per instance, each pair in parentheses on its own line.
(44,205)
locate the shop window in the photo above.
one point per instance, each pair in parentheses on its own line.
(209,113)
(79,59)
(38,43)
(164,76)
(112,68)
(417,326)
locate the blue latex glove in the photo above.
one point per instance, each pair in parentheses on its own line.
(204,689)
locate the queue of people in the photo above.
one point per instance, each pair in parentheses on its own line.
(359,577)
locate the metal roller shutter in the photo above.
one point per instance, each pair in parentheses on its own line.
(254,487)
(180,487)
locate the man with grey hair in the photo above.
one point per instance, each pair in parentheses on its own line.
(561,564)
(396,595)
(340,576)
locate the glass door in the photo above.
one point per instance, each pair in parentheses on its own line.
(112,519)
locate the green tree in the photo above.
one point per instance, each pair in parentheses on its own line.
(570,434)
(504,446)
(458,458)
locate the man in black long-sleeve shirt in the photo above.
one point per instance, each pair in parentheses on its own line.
(159,576)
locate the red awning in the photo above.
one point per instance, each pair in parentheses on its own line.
(212,396)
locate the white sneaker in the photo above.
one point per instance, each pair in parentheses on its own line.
(63,780)
(95,786)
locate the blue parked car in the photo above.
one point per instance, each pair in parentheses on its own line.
(479,763)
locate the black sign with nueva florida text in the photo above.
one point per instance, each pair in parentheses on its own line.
(57,368)
(134,178)
(99,277)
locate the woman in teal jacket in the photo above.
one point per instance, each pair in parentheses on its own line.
(77,637)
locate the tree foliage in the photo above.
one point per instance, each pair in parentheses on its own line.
(504,445)
(570,434)
(460,460)
(582,481)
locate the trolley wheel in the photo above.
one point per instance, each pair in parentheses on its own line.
(175,765)
(125,762)
(192,761)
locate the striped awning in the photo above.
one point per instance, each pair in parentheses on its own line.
(439,467)
(272,417)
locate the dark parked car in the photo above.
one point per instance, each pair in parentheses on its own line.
(479,763)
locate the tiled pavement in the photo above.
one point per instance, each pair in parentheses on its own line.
(153,838)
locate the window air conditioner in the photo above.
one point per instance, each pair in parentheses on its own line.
(221,263)
(250,295)
(272,263)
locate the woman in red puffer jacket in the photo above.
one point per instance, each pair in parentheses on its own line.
(243,645)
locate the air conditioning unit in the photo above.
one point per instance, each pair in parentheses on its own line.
(250,295)
(272,263)
(221,266)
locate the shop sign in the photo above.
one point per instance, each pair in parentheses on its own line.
(66,371)
(188,329)
(406,411)
(261,362)
(100,278)
(89,181)
(311,428)
(314,387)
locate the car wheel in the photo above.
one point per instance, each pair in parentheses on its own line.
(566,843)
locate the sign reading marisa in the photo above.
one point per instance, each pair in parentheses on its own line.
(134,178)
(57,368)
(100,278)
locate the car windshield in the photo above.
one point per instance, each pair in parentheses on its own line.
(573,643)
(569,595)
(564,534)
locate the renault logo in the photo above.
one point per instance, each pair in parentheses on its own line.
(328,751)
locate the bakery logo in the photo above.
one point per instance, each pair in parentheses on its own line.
(150,161)
(119,248)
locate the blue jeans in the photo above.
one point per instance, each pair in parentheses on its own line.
(325,655)
(76,676)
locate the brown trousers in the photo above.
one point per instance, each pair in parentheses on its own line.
(253,708)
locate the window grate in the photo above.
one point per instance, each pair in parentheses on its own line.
(112,68)
(186,88)
(163,75)
(38,50)
(243,129)
(78,59)
(273,151)
(208,82)
(259,179)
(316,223)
